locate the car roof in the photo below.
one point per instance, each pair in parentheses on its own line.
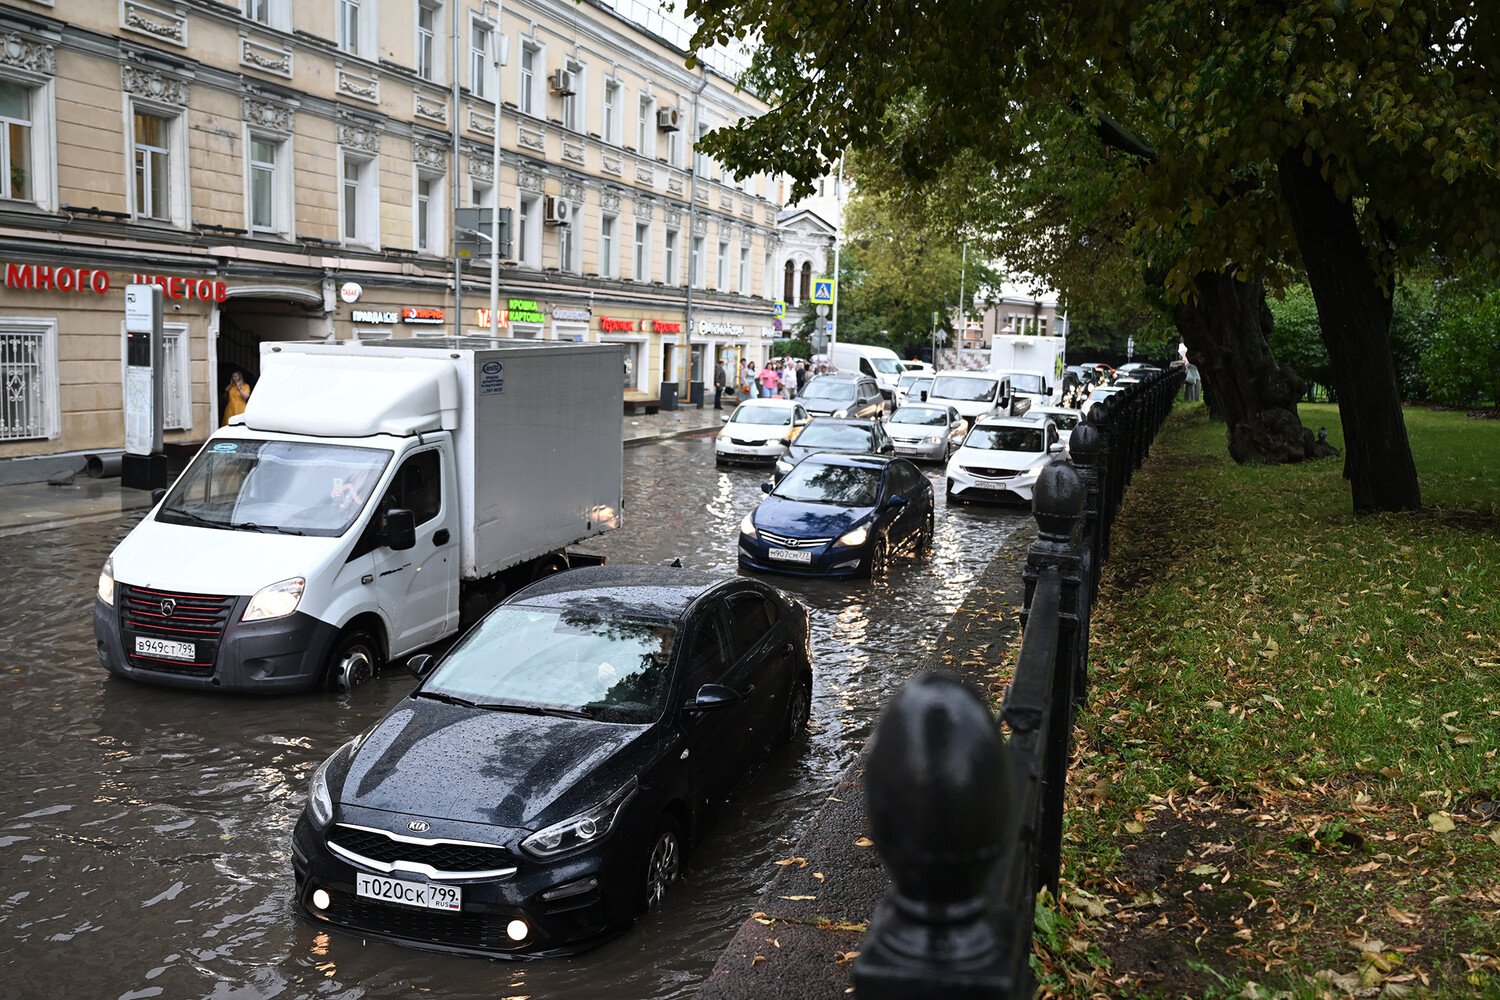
(940,407)
(839,376)
(660,592)
(866,422)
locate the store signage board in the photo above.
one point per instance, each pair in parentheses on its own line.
(143,362)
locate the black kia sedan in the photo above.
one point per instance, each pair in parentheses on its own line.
(540,786)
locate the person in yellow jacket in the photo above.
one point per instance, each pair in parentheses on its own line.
(236,393)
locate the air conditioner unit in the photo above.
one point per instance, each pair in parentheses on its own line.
(561,82)
(559,211)
(669,119)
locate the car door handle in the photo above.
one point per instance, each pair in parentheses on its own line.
(440,537)
(787,649)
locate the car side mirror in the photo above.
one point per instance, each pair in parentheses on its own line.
(787,441)
(400,530)
(157,496)
(899,500)
(711,697)
(767,486)
(421,665)
(1054,447)
(725,418)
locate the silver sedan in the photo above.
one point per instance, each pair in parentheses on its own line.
(926,432)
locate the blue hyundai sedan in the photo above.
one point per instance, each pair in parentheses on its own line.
(839,515)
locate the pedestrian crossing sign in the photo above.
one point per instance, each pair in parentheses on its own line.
(778,309)
(822,291)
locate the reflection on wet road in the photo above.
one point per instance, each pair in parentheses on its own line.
(145,833)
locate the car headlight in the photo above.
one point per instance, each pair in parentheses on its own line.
(107,582)
(275,601)
(933,439)
(319,798)
(588,827)
(747,527)
(856,536)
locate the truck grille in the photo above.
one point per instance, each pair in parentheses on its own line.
(163,614)
(788,542)
(443,856)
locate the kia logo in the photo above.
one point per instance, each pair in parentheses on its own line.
(168,606)
(419,826)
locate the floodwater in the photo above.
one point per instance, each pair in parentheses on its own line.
(145,833)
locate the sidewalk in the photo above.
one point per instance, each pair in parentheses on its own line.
(810,922)
(38,506)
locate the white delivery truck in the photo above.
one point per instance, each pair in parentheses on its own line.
(880,363)
(1033,363)
(367,498)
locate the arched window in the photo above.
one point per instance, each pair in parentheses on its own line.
(807,281)
(789,283)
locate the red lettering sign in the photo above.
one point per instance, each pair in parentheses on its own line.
(174,287)
(412,314)
(617,325)
(31,277)
(661,326)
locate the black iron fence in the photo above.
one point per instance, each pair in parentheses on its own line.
(969,823)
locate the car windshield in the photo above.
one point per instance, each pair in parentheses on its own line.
(927,416)
(1005,439)
(887,366)
(1100,393)
(836,391)
(1065,420)
(283,487)
(968,390)
(845,485)
(905,381)
(773,416)
(845,437)
(609,669)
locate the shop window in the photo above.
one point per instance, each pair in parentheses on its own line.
(28,374)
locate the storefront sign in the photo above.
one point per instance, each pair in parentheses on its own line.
(720,330)
(350,291)
(482,318)
(411,314)
(572,315)
(660,326)
(185,288)
(616,325)
(526,311)
(34,277)
(372,316)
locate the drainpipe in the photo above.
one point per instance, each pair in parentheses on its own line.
(687,327)
(458,262)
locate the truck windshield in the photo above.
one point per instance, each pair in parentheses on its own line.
(1027,382)
(285,487)
(967,390)
(887,366)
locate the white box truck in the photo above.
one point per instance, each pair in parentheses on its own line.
(1034,364)
(366,500)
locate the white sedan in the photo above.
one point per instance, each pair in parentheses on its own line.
(1001,459)
(755,433)
(1066,418)
(1098,394)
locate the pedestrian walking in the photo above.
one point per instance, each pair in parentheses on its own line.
(720,377)
(802,376)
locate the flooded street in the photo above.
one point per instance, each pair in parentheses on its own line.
(145,833)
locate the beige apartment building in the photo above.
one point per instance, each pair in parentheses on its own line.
(290,170)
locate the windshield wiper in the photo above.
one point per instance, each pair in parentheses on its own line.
(510,706)
(446,698)
(195,518)
(270,529)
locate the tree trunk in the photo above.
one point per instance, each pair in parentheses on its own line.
(1355,314)
(1225,327)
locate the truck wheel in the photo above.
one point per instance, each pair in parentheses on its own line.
(663,861)
(547,565)
(355,660)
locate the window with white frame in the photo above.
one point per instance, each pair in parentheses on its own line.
(674,148)
(609,249)
(744,283)
(575,105)
(641,266)
(671,273)
(177,382)
(531,62)
(269,185)
(645,126)
(528,240)
(359,204)
(258,10)
(29,408)
(481,63)
(721,275)
(350,15)
(613,94)
(567,249)
(16,142)
(767,279)
(427,35)
(696,268)
(700,158)
(159,158)
(272,13)
(428,213)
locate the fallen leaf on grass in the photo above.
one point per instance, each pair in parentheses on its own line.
(1495,835)
(1401,916)
(1440,823)
(1205,870)
(864,842)
(1134,826)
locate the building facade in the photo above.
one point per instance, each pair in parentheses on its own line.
(289,171)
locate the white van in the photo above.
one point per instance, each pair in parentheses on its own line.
(880,363)
(977,394)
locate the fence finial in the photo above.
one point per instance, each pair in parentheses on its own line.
(1057,500)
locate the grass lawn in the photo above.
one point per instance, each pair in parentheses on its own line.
(1286,779)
